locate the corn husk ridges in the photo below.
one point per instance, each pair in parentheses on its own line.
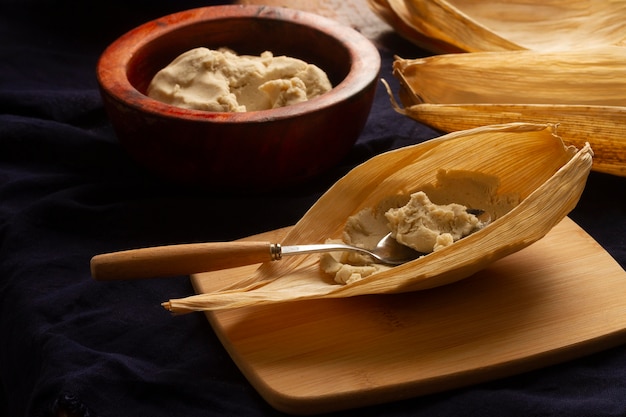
(583,91)
(529,159)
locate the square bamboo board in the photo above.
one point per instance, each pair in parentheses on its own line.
(558,299)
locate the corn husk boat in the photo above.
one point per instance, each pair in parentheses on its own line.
(529,160)
(444,26)
(583,90)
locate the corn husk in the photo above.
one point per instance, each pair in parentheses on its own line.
(583,91)
(398,16)
(529,160)
(472,26)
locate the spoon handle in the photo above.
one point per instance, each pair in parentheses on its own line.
(185,259)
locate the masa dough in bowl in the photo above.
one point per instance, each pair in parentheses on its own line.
(222,81)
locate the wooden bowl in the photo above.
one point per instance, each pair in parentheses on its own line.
(251,151)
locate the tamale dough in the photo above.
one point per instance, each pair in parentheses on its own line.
(428,227)
(222,81)
(429,219)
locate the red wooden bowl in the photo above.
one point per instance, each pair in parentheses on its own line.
(251,151)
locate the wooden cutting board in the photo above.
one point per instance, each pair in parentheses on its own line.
(560,298)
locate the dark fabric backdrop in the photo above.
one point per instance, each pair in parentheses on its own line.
(67,192)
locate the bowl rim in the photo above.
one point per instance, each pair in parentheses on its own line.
(364,67)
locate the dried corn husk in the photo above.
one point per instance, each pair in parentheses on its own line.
(474,26)
(397,15)
(528,159)
(583,91)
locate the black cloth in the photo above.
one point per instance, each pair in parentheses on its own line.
(68,192)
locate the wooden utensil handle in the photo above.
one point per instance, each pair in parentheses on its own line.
(167,261)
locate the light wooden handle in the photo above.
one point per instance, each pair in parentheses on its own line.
(173,260)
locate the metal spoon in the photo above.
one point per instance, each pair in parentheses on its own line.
(185,259)
(173,260)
